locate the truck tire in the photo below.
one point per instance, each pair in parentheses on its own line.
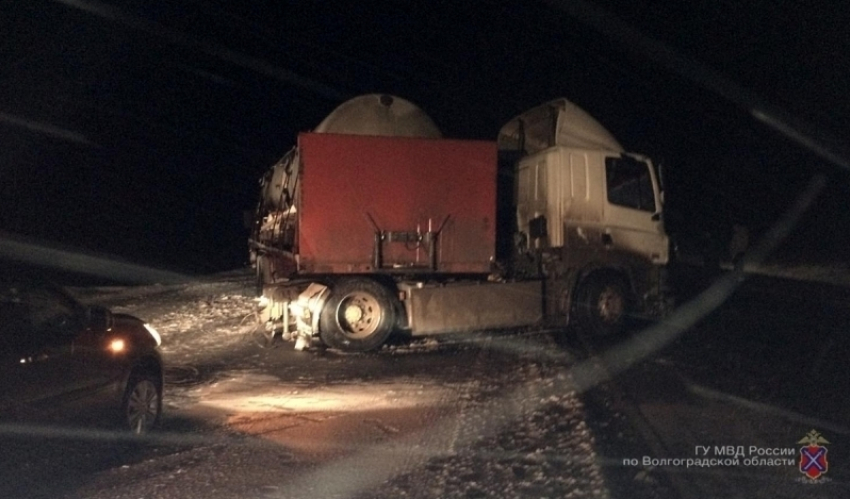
(602,304)
(359,316)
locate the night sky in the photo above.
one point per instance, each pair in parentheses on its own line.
(139,129)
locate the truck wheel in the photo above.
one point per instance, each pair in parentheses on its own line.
(602,304)
(359,316)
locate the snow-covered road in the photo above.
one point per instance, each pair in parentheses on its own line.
(466,418)
(478,416)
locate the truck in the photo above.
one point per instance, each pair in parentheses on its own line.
(374,224)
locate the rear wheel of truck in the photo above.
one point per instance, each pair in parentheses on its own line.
(602,304)
(359,316)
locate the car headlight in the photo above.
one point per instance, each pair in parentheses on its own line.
(117,345)
(154,333)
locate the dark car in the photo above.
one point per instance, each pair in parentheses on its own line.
(60,359)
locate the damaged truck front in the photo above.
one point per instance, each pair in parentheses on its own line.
(375,224)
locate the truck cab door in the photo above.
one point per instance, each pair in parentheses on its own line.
(633,211)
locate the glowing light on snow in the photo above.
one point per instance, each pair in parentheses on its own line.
(240,395)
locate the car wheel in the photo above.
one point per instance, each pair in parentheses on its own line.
(142,403)
(603,305)
(359,316)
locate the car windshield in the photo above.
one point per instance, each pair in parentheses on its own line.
(513,249)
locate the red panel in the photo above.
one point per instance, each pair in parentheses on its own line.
(403,184)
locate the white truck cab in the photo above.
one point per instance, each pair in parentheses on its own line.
(585,205)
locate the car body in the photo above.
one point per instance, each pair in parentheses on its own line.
(60,359)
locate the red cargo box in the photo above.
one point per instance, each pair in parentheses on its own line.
(354,186)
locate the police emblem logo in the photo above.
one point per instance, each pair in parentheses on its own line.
(813,462)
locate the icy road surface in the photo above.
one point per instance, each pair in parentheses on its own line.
(472,418)
(483,416)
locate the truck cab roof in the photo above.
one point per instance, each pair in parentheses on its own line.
(556,123)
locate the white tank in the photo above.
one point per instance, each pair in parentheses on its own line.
(372,114)
(379,114)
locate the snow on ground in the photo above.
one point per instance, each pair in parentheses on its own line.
(548,452)
(473,425)
(485,425)
(208,315)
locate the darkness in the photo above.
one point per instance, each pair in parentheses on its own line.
(140,129)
